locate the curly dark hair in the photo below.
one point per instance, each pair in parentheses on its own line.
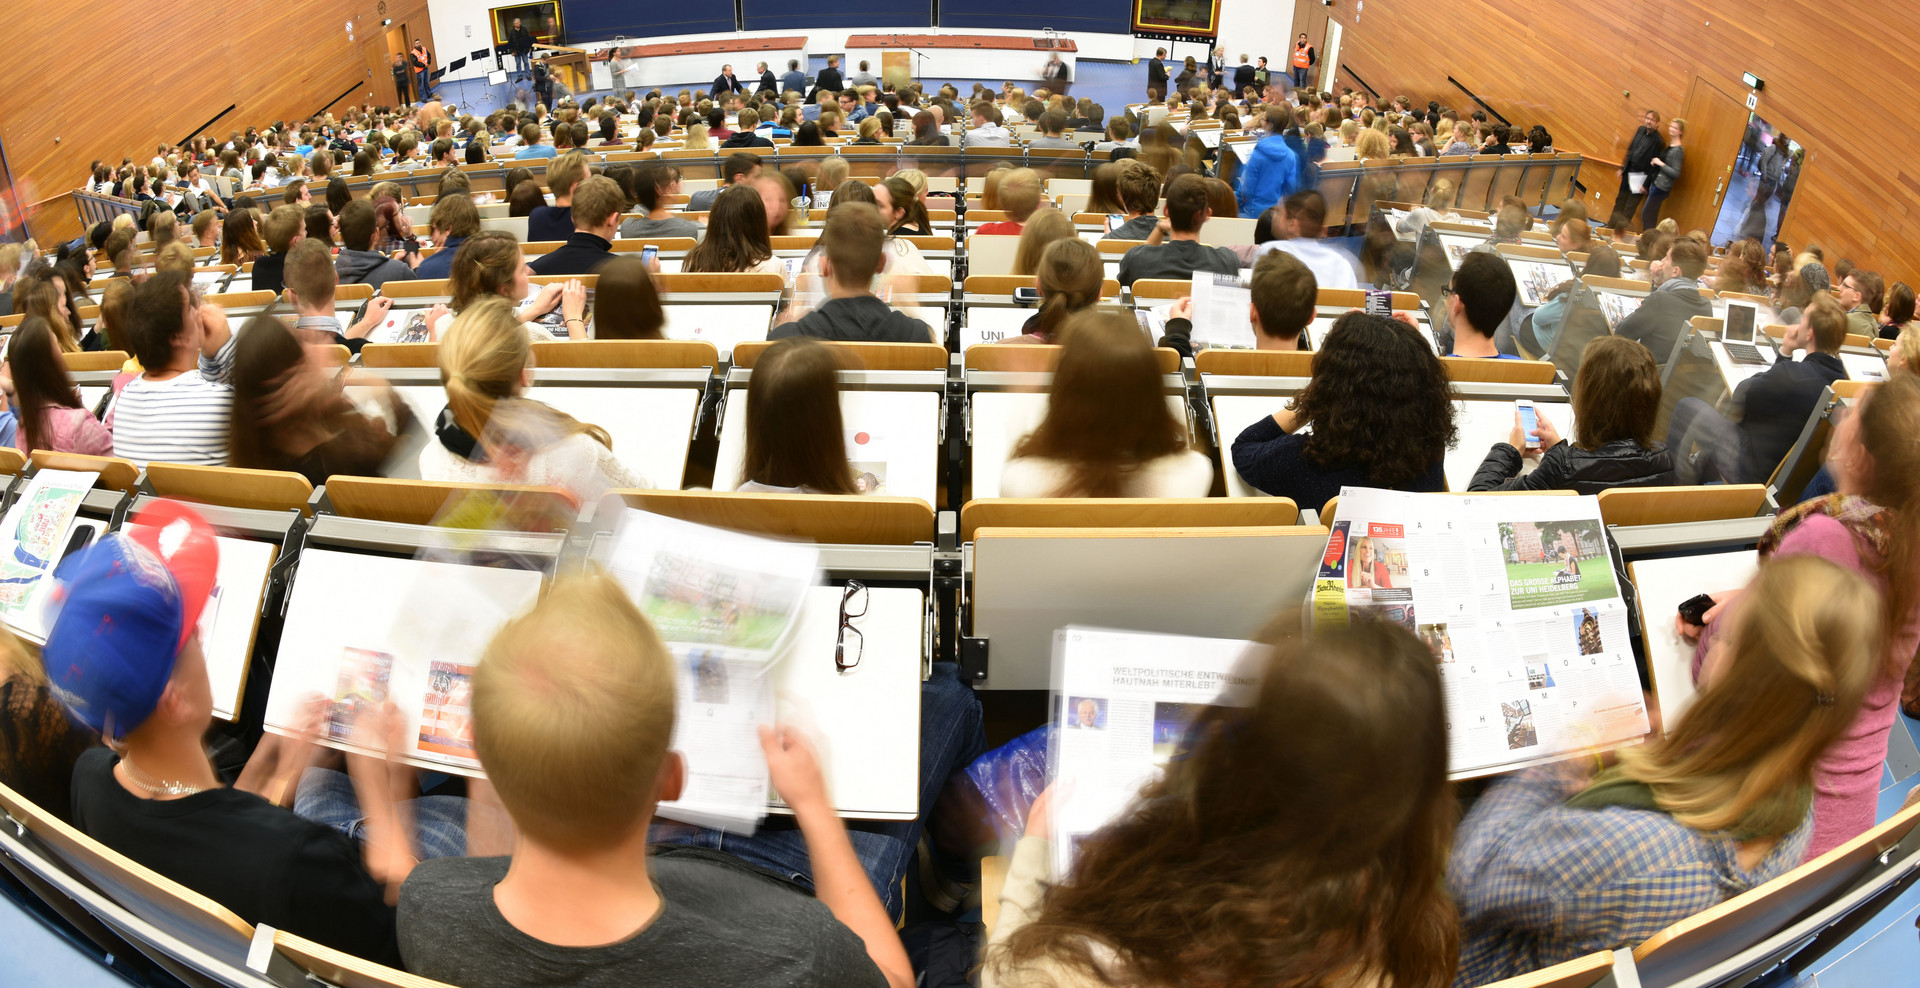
(1379,399)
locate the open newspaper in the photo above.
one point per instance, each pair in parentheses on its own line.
(1517,599)
(726,605)
(35,534)
(1123,703)
(1222,311)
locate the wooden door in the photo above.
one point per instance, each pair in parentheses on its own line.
(1310,17)
(397,45)
(1716,122)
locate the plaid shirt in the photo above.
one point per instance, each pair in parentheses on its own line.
(1538,883)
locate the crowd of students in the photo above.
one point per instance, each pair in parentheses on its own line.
(1312,838)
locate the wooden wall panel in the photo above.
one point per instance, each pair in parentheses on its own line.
(1585,71)
(272,61)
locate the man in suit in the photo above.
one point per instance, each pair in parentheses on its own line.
(1242,77)
(1647,144)
(725,82)
(1157,73)
(828,79)
(767,82)
(795,81)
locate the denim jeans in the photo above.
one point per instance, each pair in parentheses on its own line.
(422,87)
(1299,78)
(1697,423)
(439,822)
(522,62)
(951,737)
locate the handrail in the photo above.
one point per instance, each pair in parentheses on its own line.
(343,95)
(196,131)
(1363,83)
(1476,98)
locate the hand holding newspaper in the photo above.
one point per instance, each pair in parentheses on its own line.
(1516,598)
(725,604)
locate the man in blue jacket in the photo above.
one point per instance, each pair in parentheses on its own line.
(1272,171)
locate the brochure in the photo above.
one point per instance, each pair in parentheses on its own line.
(1123,704)
(33,538)
(1222,311)
(1516,597)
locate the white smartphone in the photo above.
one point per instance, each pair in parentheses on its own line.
(1529,422)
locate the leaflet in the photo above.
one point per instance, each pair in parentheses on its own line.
(1124,703)
(1222,307)
(1517,599)
(34,536)
(1537,278)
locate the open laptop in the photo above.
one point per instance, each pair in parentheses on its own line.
(1737,334)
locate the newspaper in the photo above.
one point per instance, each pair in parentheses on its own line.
(1222,306)
(34,536)
(1517,599)
(1617,306)
(1123,702)
(1537,278)
(726,605)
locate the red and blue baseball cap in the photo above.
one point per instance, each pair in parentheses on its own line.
(123,610)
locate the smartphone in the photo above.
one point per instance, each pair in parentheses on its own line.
(1694,609)
(1026,295)
(1380,303)
(649,254)
(78,540)
(1115,221)
(1529,422)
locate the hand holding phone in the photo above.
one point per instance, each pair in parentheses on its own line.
(1528,427)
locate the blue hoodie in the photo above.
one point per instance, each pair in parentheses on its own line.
(1272,173)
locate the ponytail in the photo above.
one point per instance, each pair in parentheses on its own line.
(481,361)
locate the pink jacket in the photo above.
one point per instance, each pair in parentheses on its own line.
(69,430)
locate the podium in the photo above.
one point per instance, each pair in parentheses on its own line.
(567,66)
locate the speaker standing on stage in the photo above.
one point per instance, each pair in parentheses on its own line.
(1157,73)
(726,82)
(520,43)
(767,82)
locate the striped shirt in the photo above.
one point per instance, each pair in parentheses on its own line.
(1538,882)
(183,419)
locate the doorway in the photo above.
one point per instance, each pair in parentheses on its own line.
(1760,186)
(397,44)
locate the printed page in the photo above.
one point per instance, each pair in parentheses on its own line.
(1221,311)
(35,534)
(1537,278)
(1617,306)
(1123,703)
(721,704)
(400,326)
(1517,600)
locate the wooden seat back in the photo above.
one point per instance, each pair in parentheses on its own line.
(116,474)
(1042,357)
(825,518)
(233,487)
(419,502)
(1125,512)
(1675,505)
(862,356)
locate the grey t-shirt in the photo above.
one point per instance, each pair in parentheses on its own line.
(718,925)
(672,226)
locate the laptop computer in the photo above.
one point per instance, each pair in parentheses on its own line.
(1737,334)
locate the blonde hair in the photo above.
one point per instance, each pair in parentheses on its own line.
(566,173)
(833,173)
(573,710)
(485,265)
(914,177)
(696,138)
(482,358)
(1805,647)
(175,256)
(1440,197)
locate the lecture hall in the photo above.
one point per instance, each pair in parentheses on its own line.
(892,496)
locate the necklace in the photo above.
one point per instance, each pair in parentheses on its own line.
(158,787)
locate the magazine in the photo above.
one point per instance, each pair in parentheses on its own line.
(1222,311)
(1617,306)
(1537,278)
(402,326)
(1518,601)
(1123,705)
(726,605)
(36,535)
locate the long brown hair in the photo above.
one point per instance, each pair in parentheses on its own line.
(795,437)
(264,351)
(1107,414)
(483,266)
(1337,776)
(626,305)
(1069,276)
(1616,393)
(1803,652)
(39,379)
(1889,423)
(41,297)
(736,237)
(1041,230)
(240,237)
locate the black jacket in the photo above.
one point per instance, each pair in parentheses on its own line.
(829,80)
(860,319)
(1662,318)
(579,255)
(745,139)
(1566,467)
(519,41)
(1775,404)
(767,83)
(1647,145)
(1157,74)
(723,84)
(1242,78)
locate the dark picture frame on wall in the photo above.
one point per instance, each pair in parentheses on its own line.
(541,19)
(1177,19)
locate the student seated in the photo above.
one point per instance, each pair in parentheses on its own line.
(1138,189)
(176,410)
(739,168)
(1298,223)
(490,432)
(627,306)
(1770,408)
(1479,299)
(312,283)
(1664,315)
(358,263)
(901,209)
(452,221)
(1041,230)
(1069,278)
(1616,396)
(1183,253)
(555,222)
(1107,431)
(986,130)
(795,441)
(490,264)
(1285,297)
(596,221)
(123,657)
(1551,864)
(737,238)
(51,415)
(1019,196)
(530,146)
(289,412)
(281,229)
(853,243)
(1053,125)
(651,187)
(1382,414)
(1301,841)
(1546,321)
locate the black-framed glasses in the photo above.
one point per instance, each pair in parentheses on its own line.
(853,589)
